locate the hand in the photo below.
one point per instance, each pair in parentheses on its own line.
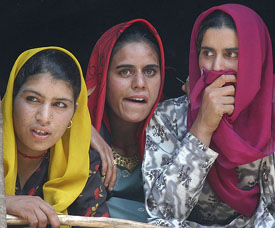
(217,101)
(109,171)
(32,208)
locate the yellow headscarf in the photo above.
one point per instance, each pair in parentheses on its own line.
(69,157)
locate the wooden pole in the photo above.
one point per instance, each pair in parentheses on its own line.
(3,222)
(71,220)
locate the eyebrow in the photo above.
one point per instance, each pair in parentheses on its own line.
(125,66)
(227,49)
(39,94)
(152,66)
(132,66)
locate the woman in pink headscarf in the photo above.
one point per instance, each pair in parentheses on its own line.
(210,162)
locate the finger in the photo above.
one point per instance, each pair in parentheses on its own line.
(228,109)
(228,100)
(183,88)
(31,217)
(113,179)
(222,80)
(41,217)
(109,172)
(226,90)
(104,162)
(50,214)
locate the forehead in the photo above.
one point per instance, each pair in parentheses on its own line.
(136,50)
(220,37)
(46,84)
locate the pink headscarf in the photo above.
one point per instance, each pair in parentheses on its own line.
(249,133)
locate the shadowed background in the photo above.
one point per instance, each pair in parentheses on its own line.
(77,24)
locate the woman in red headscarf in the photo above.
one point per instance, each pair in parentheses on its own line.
(125,78)
(211,162)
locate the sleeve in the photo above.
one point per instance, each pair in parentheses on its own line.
(175,165)
(92,201)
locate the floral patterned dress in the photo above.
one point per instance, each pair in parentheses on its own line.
(175,168)
(91,202)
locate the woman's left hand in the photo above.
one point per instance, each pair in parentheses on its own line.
(109,170)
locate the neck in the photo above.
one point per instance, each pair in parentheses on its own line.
(26,167)
(123,137)
(28,161)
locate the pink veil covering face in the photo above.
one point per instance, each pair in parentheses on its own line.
(249,133)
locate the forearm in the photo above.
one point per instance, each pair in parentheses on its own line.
(175,183)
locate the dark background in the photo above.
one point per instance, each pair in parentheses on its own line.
(77,24)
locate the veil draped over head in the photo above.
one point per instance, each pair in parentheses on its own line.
(97,72)
(249,133)
(69,157)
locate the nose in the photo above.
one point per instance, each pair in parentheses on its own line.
(218,63)
(44,114)
(139,81)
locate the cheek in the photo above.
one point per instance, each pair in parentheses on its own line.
(61,122)
(233,64)
(154,89)
(204,63)
(115,90)
(21,114)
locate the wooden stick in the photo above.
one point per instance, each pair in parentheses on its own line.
(71,220)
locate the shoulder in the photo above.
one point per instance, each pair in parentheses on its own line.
(173,103)
(171,116)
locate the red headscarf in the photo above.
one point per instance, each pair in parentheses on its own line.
(97,75)
(248,134)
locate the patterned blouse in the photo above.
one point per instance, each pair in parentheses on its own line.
(175,167)
(91,202)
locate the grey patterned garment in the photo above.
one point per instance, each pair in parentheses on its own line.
(175,167)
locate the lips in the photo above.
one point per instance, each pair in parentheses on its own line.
(40,133)
(137,99)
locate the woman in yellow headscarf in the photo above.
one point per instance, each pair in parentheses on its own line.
(46,130)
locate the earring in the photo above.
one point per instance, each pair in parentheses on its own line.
(71,123)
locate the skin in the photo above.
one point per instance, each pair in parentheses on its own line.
(133,73)
(42,104)
(219,51)
(132,89)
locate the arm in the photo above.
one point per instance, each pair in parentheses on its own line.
(175,165)
(173,189)
(92,201)
(109,171)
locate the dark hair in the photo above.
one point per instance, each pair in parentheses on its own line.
(136,33)
(60,65)
(217,19)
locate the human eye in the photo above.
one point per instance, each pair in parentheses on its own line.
(60,104)
(207,53)
(125,72)
(232,54)
(32,99)
(150,72)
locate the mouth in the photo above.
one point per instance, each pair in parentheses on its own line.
(137,100)
(39,133)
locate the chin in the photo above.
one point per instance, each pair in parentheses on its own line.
(135,119)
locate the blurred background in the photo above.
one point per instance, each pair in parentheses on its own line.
(77,24)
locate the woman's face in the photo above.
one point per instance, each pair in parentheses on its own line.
(133,82)
(42,111)
(219,50)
